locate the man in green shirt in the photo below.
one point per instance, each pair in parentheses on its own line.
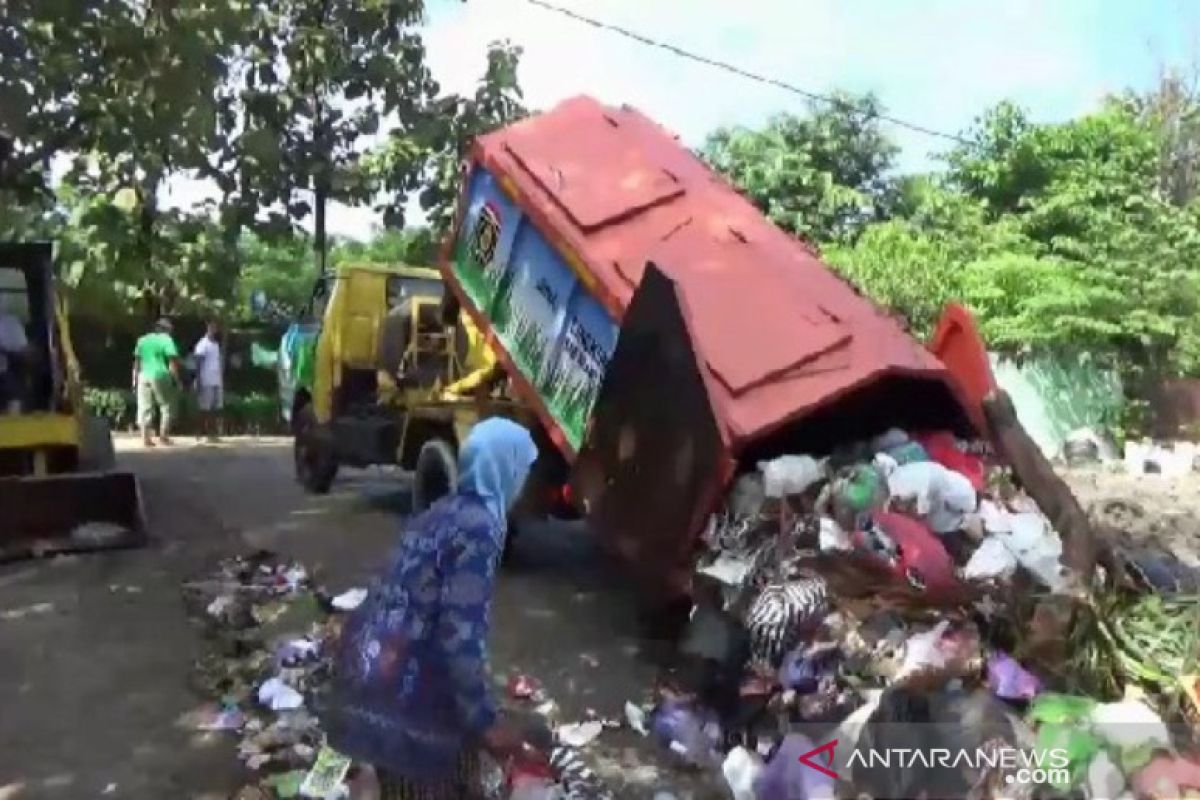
(156,379)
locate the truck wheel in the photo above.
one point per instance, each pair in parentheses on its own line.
(316,467)
(435,475)
(96,452)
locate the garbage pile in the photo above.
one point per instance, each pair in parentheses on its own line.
(269,626)
(886,598)
(272,630)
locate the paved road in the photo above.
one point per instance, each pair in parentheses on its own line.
(95,650)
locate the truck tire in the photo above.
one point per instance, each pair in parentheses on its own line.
(315,465)
(96,451)
(435,474)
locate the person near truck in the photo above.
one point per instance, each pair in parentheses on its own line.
(14,353)
(156,381)
(411,692)
(210,392)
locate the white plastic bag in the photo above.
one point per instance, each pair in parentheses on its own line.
(1038,549)
(941,496)
(741,769)
(790,475)
(991,561)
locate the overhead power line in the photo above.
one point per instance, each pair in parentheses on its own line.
(745,73)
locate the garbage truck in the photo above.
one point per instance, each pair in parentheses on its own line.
(667,335)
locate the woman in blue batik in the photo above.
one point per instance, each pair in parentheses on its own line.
(410,691)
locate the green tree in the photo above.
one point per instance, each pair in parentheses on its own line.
(318,80)
(413,246)
(821,176)
(279,268)
(427,157)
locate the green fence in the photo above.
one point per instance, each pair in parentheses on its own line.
(1055,396)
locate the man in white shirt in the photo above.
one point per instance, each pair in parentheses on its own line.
(210,393)
(14,350)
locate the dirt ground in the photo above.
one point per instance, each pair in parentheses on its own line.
(95,650)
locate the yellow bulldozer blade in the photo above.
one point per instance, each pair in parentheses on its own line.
(68,513)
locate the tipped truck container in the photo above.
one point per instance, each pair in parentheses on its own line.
(666,333)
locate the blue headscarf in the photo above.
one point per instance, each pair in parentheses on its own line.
(494,462)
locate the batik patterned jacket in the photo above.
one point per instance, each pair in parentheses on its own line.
(410,687)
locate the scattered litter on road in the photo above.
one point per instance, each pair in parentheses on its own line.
(26,611)
(579,734)
(635,717)
(350,599)
(524,687)
(278,696)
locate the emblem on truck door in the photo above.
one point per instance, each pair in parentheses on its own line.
(486,236)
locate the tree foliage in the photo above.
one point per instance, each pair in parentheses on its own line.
(283,105)
(428,158)
(821,176)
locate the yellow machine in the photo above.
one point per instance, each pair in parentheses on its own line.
(58,492)
(398,376)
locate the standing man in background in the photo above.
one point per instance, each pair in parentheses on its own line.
(210,383)
(156,381)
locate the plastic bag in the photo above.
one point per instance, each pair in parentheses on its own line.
(991,561)
(741,770)
(1008,680)
(790,475)
(1038,549)
(939,495)
(690,733)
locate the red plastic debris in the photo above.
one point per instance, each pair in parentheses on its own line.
(523,687)
(921,561)
(943,447)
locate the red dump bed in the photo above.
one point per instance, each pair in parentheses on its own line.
(778,333)
(665,331)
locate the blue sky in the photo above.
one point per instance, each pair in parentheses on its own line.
(936,62)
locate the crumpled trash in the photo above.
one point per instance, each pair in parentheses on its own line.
(1038,549)
(224,719)
(804,667)
(741,769)
(1008,680)
(1062,724)
(1133,728)
(577,779)
(579,734)
(278,696)
(991,561)
(858,490)
(790,475)
(350,599)
(888,440)
(635,717)
(940,496)
(832,537)
(524,687)
(786,777)
(944,448)
(1105,781)
(920,559)
(1167,777)
(782,614)
(691,733)
(748,496)
(729,569)
(939,655)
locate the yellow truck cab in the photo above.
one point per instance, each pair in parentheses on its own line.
(382,368)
